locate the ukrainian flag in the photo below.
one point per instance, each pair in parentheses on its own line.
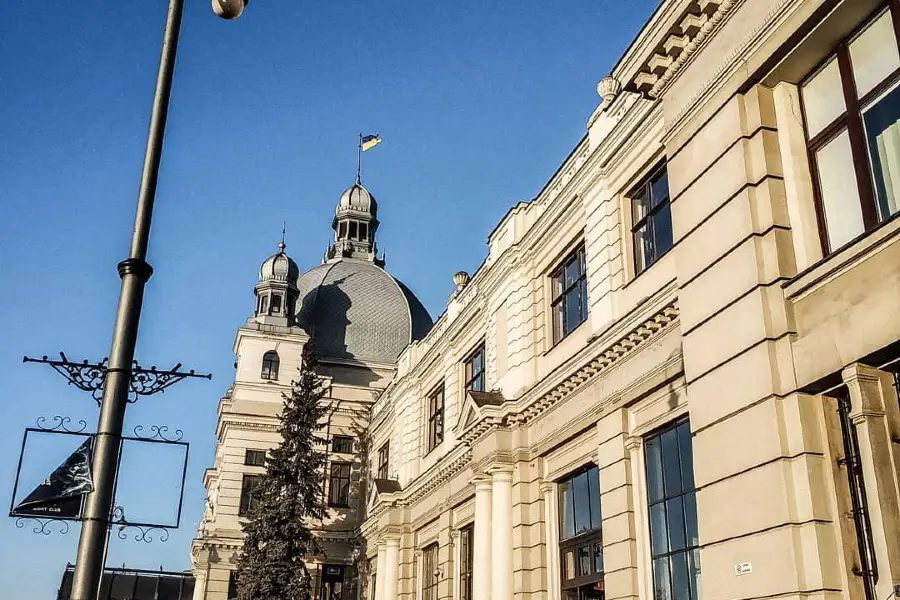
(369,141)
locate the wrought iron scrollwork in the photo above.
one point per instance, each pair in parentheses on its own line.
(43,526)
(143,534)
(158,432)
(62,424)
(91,377)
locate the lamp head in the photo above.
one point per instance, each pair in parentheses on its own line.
(229,9)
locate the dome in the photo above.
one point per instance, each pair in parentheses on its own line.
(358,198)
(279,267)
(354,309)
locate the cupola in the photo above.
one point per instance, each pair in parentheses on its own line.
(276,292)
(355,223)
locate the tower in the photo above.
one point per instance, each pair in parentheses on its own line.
(276,293)
(355,224)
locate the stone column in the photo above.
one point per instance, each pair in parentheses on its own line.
(481,569)
(200,585)
(391,567)
(380,573)
(551,532)
(501,534)
(873,407)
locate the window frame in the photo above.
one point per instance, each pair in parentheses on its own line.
(337,442)
(469,374)
(435,417)
(384,457)
(271,364)
(430,580)
(249,483)
(249,453)
(334,498)
(851,121)
(591,538)
(557,277)
(691,552)
(649,219)
(466,561)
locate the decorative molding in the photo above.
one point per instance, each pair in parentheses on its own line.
(511,415)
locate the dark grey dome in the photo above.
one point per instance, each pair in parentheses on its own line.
(354,309)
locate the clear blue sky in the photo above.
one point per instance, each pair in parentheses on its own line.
(477,102)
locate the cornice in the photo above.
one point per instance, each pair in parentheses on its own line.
(527,409)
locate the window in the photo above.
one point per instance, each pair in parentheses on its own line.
(429,572)
(581,539)
(466,562)
(353,230)
(276,303)
(264,305)
(249,499)
(342,230)
(475,370)
(435,418)
(232,585)
(255,458)
(569,304)
(384,454)
(342,444)
(339,485)
(851,106)
(673,513)
(332,582)
(651,218)
(270,365)
(364,231)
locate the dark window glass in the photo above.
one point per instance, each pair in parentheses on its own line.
(882,125)
(435,418)
(363,231)
(581,539)
(276,303)
(339,485)
(466,562)
(232,585)
(342,229)
(255,458)
(249,498)
(475,371)
(673,513)
(429,572)
(594,491)
(652,221)
(264,305)
(353,230)
(384,454)
(342,444)
(569,305)
(270,364)
(582,503)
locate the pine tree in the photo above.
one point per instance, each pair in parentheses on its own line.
(278,541)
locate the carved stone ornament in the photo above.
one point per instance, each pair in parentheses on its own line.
(608,88)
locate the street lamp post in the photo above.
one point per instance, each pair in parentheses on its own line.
(134,272)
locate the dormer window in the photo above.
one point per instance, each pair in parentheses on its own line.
(270,364)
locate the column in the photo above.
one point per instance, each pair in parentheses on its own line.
(481,569)
(391,567)
(551,532)
(501,534)
(456,558)
(200,585)
(873,407)
(380,573)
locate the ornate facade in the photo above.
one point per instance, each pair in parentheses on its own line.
(675,374)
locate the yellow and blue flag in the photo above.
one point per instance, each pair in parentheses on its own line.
(369,141)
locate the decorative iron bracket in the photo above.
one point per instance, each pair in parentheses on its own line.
(90,377)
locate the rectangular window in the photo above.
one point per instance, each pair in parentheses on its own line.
(569,303)
(466,561)
(249,500)
(651,217)
(581,539)
(276,303)
(436,418)
(851,106)
(255,458)
(339,485)
(429,572)
(673,513)
(475,370)
(353,230)
(342,444)
(384,454)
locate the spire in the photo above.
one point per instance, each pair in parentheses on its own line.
(282,245)
(359,159)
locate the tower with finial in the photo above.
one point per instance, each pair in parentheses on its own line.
(276,292)
(355,224)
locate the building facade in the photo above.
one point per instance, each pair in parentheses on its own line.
(675,374)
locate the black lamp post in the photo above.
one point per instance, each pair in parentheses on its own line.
(134,272)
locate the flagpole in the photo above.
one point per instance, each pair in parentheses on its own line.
(358,158)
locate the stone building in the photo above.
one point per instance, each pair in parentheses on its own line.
(675,374)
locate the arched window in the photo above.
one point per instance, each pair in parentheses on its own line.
(270,365)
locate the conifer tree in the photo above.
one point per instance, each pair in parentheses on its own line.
(278,541)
